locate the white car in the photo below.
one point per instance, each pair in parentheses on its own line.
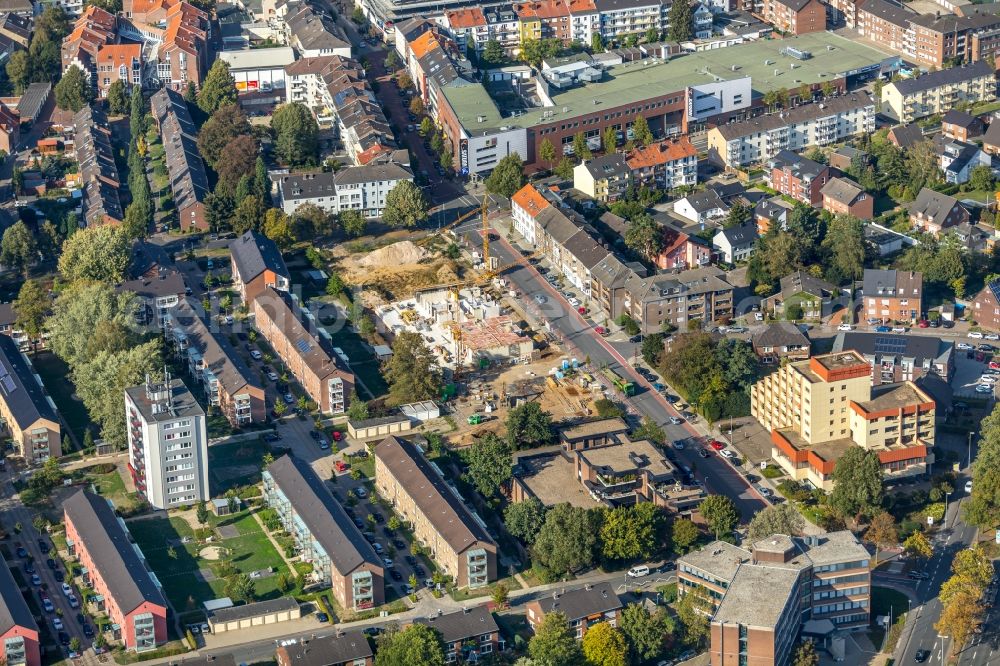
(273,376)
(988,379)
(73,601)
(992,336)
(575,302)
(638,572)
(965,346)
(66,589)
(759,316)
(984,388)
(737,329)
(968,486)
(845,327)
(899,329)
(675,420)
(975,335)
(57,624)
(726,453)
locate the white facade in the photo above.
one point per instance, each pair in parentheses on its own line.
(354,188)
(480,153)
(711,99)
(684,208)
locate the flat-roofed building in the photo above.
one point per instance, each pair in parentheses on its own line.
(324,534)
(28,413)
(900,358)
(455,536)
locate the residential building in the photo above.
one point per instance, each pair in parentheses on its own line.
(808,579)
(19,640)
(469,28)
(324,534)
(122,586)
(681,251)
(986,307)
(229,384)
(759,139)
(700,294)
(94,29)
(604,178)
(619,18)
(99,178)
(583,607)
(157,295)
(794,404)
(183,54)
(701,207)
(737,243)
(304,348)
(625,472)
(881,21)
(343,648)
(795,17)
(957,159)
(543,19)
(991,138)
(256,265)
(814,297)
(778,341)
(313,33)
(891,295)
(29,415)
(845,157)
(938,92)
(9,327)
(843,196)
(900,358)
(906,136)
(885,240)
(933,212)
(188,179)
(961,126)
(455,537)
(361,188)
(771,211)
(798,177)
(167,443)
(664,165)
(468,634)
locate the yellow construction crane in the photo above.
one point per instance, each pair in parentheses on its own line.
(482,210)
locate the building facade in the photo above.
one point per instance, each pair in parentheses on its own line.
(584,607)
(19,644)
(937,92)
(28,413)
(892,296)
(257,264)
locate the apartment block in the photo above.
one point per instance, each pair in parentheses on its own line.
(167,443)
(900,358)
(822,577)
(360,188)
(304,348)
(19,644)
(455,536)
(699,294)
(256,265)
(188,178)
(345,648)
(123,586)
(938,92)
(583,607)
(157,295)
(892,296)
(29,415)
(795,17)
(681,251)
(468,634)
(664,164)
(324,534)
(543,19)
(820,123)
(604,178)
(798,177)
(817,409)
(229,384)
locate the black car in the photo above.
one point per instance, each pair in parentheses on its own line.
(673,399)
(986,348)
(395,574)
(379,518)
(372,631)
(635,338)
(921,656)
(412,561)
(29,568)
(918,575)
(399,544)
(272,437)
(88,631)
(361,454)
(80,619)
(43,546)
(63,638)
(21,551)
(358,522)
(314,435)
(419,572)
(50,563)
(60,576)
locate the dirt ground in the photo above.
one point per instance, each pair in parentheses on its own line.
(394,272)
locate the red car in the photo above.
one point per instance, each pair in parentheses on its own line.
(582,310)
(341,466)
(717,445)
(923,323)
(600,330)
(337,435)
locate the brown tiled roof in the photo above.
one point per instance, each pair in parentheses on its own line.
(661,152)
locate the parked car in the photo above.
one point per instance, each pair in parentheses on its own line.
(882,329)
(679,445)
(256,355)
(975,335)
(963,346)
(717,445)
(845,327)
(639,571)
(726,453)
(676,421)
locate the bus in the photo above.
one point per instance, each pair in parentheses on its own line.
(623,386)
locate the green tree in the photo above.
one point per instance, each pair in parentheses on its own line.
(241,587)
(32,306)
(681,19)
(417,644)
(83,314)
(405,206)
(647,634)
(277,227)
(224,125)
(547,152)
(776,519)
(737,215)
(427,127)
(564,169)
(609,139)
(918,545)
(806,654)
(202,514)
(596,43)
(493,53)
(981,178)
(691,612)
(652,348)
(528,426)
(236,167)
(604,645)
(721,514)
(644,236)
(353,222)
(845,247)
(218,89)
(248,215)
(567,542)
(99,253)
(640,131)
(18,249)
(554,643)
(683,534)
(411,371)
(19,70)
(357,409)
(490,464)
(117,99)
(507,176)
(102,378)
(191,95)
(649,430)
(73,92)
(630,533)
(296,134)
(524,519)
(580,147)
(858,488)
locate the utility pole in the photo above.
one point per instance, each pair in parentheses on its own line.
(969,463)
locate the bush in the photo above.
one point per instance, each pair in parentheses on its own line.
(794,491)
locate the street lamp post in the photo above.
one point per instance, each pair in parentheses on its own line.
(969,462)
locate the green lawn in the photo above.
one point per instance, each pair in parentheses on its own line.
(235,464)
(109,485)
(363,362)
(884,601)
(55,376)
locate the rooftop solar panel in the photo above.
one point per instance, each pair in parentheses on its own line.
(303,345)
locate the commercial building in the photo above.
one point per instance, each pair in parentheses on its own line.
(820,581)
(324,534)
(111,565)
(167,443)
(456,538)
(188,179)
(468,634)
(29,415)
(256,265)
(347,648)
(259,70)
(891,295)
(817,409)
(937,92)
(583,607)
(900,358)
(798,177)
(304,348)
(360,188)
(229,384)
(933,212)
(814,297)
(843,196)
(19,644)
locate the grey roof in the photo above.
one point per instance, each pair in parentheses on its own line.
(326,519)
(25,399)
(833,547)
(960,118)
(842,189)
(182,402)
(586,250)
(797,165)
(304,338)
(934,205)
(314,30)
(216,352)
(992,135)
(98,171)
(801,281)
(773,208)
(907,135)
(916,347)
(456,524)
(583,601)
(780,334)
(339,648)
(611,272)
(741,235)
(222,659)
(369,173)
(112,552)
(557,225)
(719,559)
(800,114)
(607,166)
(891,282)
(378,421)
(675,285)
(944,77)
(705,201)
(463,624)
(254,253)
(166,283)
(188,180)
(19,6)
(744,602)
(14,611)
(894,14)
(8,317)
(794,5)
(30,105)
(937,388)
(247,611)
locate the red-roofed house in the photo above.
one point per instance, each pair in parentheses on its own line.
(682,251)
(526,204)
(664,164)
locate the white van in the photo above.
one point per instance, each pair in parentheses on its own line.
(638,572)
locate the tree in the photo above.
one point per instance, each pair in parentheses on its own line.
(32,307)
(411,371)
(845,246)
(405,205)
(102,378)
(683,534)
(73,92)
(524,519)
(490,464)
(191,95)
(99,253)
(858,489)
(882,532)
(296,134)
(417,644)
(973,565)
(737,215)
(596,43)
(580,147)
(806,655)
(353,222)
(959,619)
(237,161)
(19,70)
(528,426)
(721,514)
(218,89)
(604,645)
(277,227)
(248,215)
(693,619)
(652,348)
(18,249)
(609,139)
(918,545)
(403,80)
(644,236)
(568,539)
(554,643)
(417,106)
(241,587)
(630,533)
(202,514)
(507,177)
(493,53)
(640,131)
(646,634)
(981,178)
(681,19)
(547,152)
(225,124)
(922,165)
(426,127)
(776,519)
(649,429)
(117,99)
(81,312)
(564,169)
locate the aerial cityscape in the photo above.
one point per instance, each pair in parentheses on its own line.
(544,333)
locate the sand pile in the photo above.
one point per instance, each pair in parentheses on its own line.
(397,254)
